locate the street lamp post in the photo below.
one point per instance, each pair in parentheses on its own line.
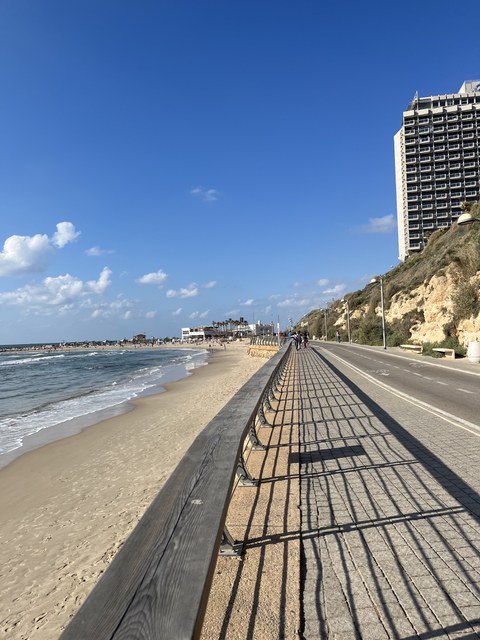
(348,320)
(380,280)
(325,318)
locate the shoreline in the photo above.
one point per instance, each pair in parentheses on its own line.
(68,506)
(74,426)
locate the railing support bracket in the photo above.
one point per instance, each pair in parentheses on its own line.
(228,546)
(255,442)
(244,478)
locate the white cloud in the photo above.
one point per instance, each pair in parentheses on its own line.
(97,251)
(247,303)
(337,290)
(100,285)
(385,224)
(294,302)
(60,290)
(120,308)
(210,285)
(31,254)
(158,277)
(322,282)
(198,314)
(100,313)
(151,314)
(24,254)
(188,292)
(177,312)
(64,234)
(207,195)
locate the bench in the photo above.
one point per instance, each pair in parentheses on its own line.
(448,353)
(418,348)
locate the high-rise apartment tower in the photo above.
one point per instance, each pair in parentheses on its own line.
(436,163)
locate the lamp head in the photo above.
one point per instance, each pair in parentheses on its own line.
(466,218)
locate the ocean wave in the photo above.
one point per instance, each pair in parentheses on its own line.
(47,405)
(30,360)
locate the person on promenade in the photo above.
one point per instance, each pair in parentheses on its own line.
(337,335)
(305,340)
(296,340)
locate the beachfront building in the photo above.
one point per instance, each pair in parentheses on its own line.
(436,163)
(260,329)
(190,334)
(230,329)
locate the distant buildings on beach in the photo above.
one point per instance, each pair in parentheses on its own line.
(229,329)
(225,330)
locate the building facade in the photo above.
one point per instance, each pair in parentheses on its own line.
(436,163)
(240,330)
(190,334)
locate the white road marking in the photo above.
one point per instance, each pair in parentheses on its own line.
(465,391)
(448,417)
(363,347)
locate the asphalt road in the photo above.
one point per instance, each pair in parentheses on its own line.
(449,387)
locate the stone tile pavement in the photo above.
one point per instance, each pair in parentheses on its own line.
(389,513)
(257,596)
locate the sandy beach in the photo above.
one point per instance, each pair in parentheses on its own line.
(68,506)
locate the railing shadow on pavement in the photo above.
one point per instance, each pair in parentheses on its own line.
(261,583)
(403,554)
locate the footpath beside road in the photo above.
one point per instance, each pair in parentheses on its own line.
(365,523)
(390,512)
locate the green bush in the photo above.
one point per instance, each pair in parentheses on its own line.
(395,338)
(448,343)
(465,301)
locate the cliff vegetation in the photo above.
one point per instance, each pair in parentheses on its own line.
(433,298)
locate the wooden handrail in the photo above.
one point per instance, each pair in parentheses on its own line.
(157,585)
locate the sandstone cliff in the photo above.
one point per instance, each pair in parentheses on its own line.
(433,297)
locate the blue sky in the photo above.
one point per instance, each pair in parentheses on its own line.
(165,164)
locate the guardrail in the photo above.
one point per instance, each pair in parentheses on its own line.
(157,585)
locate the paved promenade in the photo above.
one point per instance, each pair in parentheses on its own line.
(389,512)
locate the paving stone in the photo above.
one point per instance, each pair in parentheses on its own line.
(394,498)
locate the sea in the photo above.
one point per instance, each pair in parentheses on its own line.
(49,394)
